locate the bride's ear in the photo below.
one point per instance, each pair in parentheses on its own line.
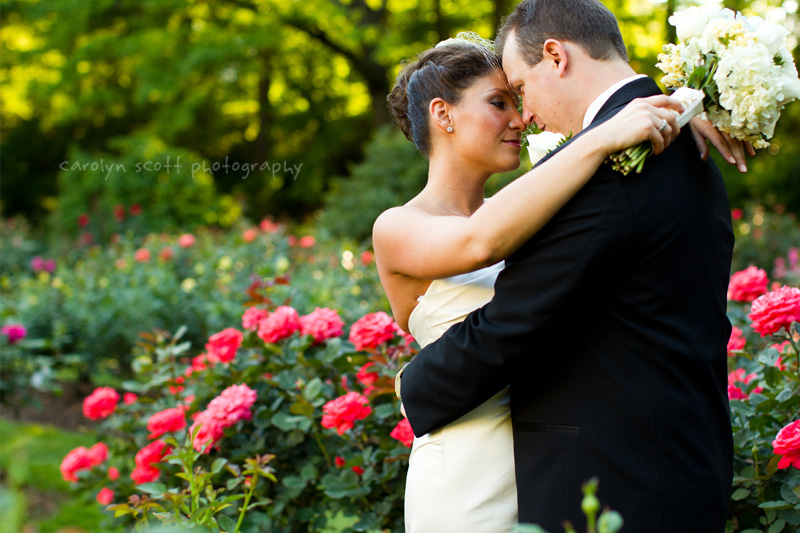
(440,114)
(555,53)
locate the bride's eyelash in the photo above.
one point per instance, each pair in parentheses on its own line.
(499,104)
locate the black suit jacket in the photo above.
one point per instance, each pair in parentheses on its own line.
(610,325)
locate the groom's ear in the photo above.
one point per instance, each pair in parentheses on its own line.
(440,113)
(555,53)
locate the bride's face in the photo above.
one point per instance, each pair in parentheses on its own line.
(487,126)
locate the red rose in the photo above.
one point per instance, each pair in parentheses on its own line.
(367,378)
(367,257)
(341,413)
(747,285)
(176,385)
(83,220)
(129,398)
(307,241)
(222,346)
(100,403)
(403,432)
(279,324)
(322,324)
(787,444)
(172,419)
(737,340)
(358,470)
(105,496)
(145,474)
(269,226)
(252,317)
(736,213)
(166,253)
(340,461)
(737,376)
(372,330)
(75,461)
(775,310)
(98,454)
(119,212)
(232,405)
(113,474)
(249,235)
(152,453)
(136,210)
(186,240)
(142,255)
(14,332)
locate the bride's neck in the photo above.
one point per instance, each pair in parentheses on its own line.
(454,187)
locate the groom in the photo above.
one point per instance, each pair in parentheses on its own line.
(610,323)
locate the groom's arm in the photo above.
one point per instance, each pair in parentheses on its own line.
(472,360)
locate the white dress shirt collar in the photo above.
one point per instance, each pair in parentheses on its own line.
(603,98)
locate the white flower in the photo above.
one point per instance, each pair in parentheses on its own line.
(692,101)
(541,144)
(690,22)
(770,35)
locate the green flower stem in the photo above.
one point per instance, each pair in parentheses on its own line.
(248,495)
(322,446)
(796,351)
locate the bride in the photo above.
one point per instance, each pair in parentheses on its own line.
(439,254)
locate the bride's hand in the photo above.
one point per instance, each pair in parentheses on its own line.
(643,119)
(731,149)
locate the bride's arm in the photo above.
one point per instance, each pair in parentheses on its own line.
(410,241)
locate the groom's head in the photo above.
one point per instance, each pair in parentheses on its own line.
(559,54)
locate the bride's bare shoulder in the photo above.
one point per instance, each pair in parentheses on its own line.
(391,223)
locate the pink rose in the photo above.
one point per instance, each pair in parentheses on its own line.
(341,413)
(737,340)
(269,226)
(249,235)
(166,253)
(100,403)
(105,496)
(279,324)
(75,461)
(129,398)
(737,376)
(172,419)
(186,240)
(113,474)
(14,332)
(775,310)
(787,444)
(252,317)
(403,432)
(747,285)
(145,474)
(736,213)
(142,255)
(307,241)
(322,324)
(367,378)
(232,405)
(372,330)
(98,454)
(222,346)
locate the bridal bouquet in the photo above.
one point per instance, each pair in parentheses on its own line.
(741,64)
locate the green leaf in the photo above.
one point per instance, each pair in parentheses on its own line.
(218,465)
(740,494)
(226,523)
(778,526)
(775,505)
(790,490)
(294,482)
(312,389)
(530,528)
(784,395)
(309,472)
(152,488)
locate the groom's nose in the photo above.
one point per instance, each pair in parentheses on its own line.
(527,114)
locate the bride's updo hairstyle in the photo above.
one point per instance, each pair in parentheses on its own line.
(441,72)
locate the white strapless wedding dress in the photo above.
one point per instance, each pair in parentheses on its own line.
(461,477)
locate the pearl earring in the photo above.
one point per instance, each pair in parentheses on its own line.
(449,129)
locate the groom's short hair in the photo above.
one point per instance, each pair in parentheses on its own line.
(587,23)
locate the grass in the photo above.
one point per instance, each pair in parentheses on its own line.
(33,495)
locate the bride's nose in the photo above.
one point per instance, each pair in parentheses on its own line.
(516,123)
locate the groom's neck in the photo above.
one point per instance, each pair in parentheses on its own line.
(597,78)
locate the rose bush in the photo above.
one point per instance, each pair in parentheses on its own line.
(309,412)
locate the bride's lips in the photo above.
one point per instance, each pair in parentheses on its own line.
(514,142)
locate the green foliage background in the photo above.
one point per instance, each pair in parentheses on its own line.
(293,84)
